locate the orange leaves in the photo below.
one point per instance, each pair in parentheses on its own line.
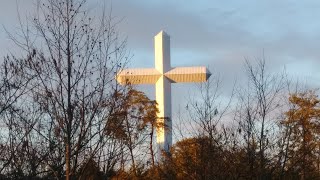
(303,121)
(141,107)
(134,112)
(304,100)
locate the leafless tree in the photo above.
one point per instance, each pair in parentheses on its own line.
(206,110)
(12,89)
(71,59)
(257,114)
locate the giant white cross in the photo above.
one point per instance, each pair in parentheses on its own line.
(163,75)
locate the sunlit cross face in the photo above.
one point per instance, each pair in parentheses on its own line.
(162,76)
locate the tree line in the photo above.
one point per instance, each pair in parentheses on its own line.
(63,116)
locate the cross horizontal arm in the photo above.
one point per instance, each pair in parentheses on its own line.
(138,76)
(188,74)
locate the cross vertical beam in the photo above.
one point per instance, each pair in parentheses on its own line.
(163,91)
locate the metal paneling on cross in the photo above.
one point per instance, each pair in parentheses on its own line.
(163,75)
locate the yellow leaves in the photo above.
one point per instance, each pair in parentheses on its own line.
(115,128)
(306,99)
(303,118)
(305,108)
(134,112)
(141,106)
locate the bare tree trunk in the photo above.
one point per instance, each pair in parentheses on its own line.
(69,108)
(151,145)
(67,161)
(130,147)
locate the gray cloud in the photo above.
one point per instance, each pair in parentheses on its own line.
(231,31)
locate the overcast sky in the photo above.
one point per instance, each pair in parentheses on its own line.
(217,34)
